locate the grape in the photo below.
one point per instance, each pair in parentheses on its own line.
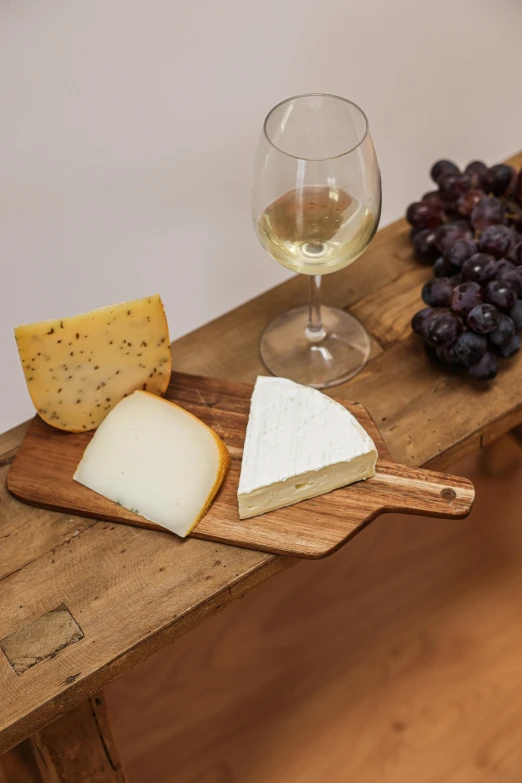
(515,254)
(442,167)
(423,215)
(503,267)
(460,186)
(449,233)
(516,315)
(470,347)
(442,268)
(513,277)
(513,274)
(446,354)
(447,185)
(443,330)
(470,229)
(437,199)
(424,245)
(485,369)
(495,240)
(500,293)
(455,280)
(454,185)
(465,297)
(476,171)
(504,331)
(509,349)
(437,292)
(459,252)
(488,212)
(420,320)
(467,202)
(498,179)
(480,267)
(515,250)
(433,197)
(466,225)
(484,318)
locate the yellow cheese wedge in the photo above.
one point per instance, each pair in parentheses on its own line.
(77,369)
(156,459)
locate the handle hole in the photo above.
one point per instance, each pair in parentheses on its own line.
(448,494)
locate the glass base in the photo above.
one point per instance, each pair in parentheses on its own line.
(335,355)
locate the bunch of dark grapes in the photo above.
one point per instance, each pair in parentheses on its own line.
(470,229)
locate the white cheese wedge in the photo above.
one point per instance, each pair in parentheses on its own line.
(156,459)
(299,444)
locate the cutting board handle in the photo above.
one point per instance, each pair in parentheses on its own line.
(417,491)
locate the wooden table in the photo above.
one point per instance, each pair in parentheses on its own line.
(84,601)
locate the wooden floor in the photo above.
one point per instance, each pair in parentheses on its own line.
(397,660)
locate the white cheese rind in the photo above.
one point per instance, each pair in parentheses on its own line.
(299,444)
(156,459)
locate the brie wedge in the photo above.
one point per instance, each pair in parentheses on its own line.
(156,459)
(299,444)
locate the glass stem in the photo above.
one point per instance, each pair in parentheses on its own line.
(315,330)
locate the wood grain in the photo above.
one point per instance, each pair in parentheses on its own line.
(42,473)
(133,592)
(41,639)
(130,593)
(397,660)
(79,747)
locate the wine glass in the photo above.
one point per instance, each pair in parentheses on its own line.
(316,204)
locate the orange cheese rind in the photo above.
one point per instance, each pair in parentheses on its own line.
(224,459)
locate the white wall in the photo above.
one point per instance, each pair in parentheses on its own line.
(128,127)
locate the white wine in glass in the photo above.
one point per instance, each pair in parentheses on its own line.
(316,206)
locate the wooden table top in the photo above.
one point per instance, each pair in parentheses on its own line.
(82,601)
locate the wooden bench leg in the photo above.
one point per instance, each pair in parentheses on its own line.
(79,747)
(516,432)
(502,455)
(18,765)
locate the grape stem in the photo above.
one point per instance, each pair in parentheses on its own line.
(315,331)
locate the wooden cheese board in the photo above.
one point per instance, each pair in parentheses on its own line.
(42,475)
